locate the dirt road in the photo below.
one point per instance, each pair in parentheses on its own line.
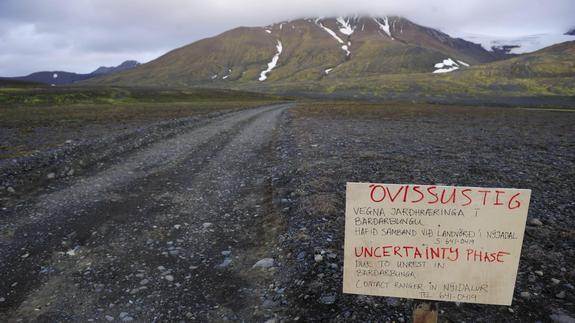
(170,232)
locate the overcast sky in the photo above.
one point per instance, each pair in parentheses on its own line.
(80,35)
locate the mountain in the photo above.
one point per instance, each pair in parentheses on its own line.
(309,49)
(103,70)
(370,57)
(571,32)
(62,77)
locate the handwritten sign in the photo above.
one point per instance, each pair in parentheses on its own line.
(445,243)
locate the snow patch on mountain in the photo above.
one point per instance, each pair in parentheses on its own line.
(346,50)
(516,45)
(334,35)
(446,66)
(331,32)
(268,31)
(344,26)
(227,75)
(328,70)
(273,63)
(463,63)
(383,25)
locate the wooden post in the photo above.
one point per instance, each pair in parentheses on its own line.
(425,312)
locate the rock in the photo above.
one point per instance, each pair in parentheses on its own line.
(318,258)
(561,318)
(392,301)
(123,314)
(207,225)
(70,172)
(525,295)
(539,273)
(535,222)
(177,226)
(268,303)
(2,299)
(226,253)
(271,321)
(11,190)
(560,295)
(225,263)
(555,281)
(26,255)
(127,319)
(161,268)
(144,282)
(571,275)
(169,278)
(264,263)
(51,176)
(109,318)
(327,299)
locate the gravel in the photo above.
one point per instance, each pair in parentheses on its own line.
(264,263)
(326,145)
(155,220)
(162,213)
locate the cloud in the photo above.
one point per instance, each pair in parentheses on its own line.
(81,35)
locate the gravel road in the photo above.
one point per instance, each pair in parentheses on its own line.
(172,231)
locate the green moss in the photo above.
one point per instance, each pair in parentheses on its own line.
(78,105)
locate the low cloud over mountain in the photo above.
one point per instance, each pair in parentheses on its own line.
(82,35)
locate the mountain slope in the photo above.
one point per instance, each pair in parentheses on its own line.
(311,49)
(545,73)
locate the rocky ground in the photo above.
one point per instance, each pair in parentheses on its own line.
(239,216)
(323,146)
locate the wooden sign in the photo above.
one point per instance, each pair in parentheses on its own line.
(444,243)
